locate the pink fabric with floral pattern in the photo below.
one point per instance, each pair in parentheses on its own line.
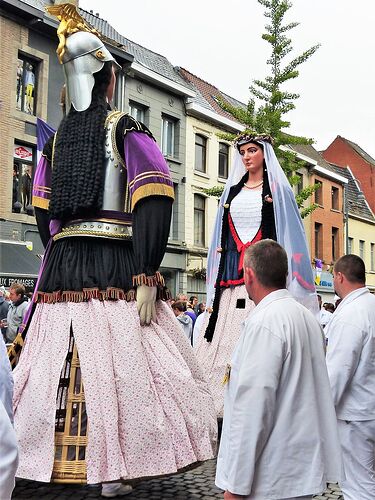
(149,408)
(214,356)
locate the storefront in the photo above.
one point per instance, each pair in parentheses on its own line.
(325,288)
(18,264)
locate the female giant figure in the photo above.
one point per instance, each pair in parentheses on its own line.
(257,203)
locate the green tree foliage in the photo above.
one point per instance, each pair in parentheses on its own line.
(273,101)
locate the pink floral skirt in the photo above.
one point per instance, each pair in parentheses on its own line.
(149,408)
(214,356)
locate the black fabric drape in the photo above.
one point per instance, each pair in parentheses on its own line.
(151,224)
(42,220)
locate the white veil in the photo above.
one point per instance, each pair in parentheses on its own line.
(213,258)
(289,231)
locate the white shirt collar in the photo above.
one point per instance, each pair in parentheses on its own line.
(352,296)
(271,297)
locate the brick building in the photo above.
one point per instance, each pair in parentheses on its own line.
(359,225)
(345,153)
(326,223)
(324,227)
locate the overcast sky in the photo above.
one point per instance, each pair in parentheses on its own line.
(220,41)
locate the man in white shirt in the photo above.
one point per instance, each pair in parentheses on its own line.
(8,442)
(279,436)
(351,370)
(325,316)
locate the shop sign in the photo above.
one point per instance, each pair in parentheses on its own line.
(26,281)
(23,152)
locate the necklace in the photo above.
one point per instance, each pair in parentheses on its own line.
(253,187)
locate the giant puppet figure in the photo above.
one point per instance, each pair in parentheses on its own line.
(257,203)
(107,386)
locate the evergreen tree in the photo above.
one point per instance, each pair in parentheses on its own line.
(274,101)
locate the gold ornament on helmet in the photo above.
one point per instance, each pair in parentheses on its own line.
(70,22)
(81,52)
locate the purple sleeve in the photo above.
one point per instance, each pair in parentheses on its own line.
(148,172)
(42,184)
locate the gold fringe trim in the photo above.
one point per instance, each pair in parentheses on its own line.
(110,294)
(38,201)
(85,295)
(142,279)
(151,190)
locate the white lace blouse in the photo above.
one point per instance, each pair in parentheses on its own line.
(246,213)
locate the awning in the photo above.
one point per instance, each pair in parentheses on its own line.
(18,263)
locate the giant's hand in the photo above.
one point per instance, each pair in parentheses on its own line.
(146,298)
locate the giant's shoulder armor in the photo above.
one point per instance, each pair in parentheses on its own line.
(115,221)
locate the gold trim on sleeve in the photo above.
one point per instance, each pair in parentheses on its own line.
(151,190)
(39,202)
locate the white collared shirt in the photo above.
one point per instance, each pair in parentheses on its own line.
(6,380)
(351,356)
(279,434)
(8,442)
(325,317)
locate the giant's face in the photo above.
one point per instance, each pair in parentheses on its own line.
(252,157)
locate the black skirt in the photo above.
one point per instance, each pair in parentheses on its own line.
(90,267)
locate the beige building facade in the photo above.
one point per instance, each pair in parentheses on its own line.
(200,209)
(361,242)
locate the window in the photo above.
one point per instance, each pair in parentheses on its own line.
(173,231)
(335,243)
(199,220)
(319,193)
(350,245)
(362,249)
(26,85)
(23,163)
(299,184)
(118,98)
(168,136)
(223,160)
(318,240)
(137,111)
(372,257)
(335,198)
(200,153)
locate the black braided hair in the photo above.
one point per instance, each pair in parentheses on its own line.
(77,176)
(209,333)
(268,229)
(268,226)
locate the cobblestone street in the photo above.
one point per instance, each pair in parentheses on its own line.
(197,484)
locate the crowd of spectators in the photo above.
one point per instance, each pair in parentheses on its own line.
(13,306)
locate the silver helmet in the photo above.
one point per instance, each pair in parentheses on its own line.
(81,52)
(85,54)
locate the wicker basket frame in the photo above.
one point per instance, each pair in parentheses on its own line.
(71,423)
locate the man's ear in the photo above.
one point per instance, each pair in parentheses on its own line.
(340,276)
(249,275)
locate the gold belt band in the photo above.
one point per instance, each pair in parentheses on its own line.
(95,229)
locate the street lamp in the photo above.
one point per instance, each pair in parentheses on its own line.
(360,196)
